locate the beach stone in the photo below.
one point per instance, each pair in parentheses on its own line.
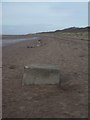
(41,74)
(38,45)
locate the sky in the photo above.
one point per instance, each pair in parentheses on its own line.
(33,17)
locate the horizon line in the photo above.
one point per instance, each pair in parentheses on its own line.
(1,34)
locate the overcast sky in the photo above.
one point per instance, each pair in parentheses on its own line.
(26,17)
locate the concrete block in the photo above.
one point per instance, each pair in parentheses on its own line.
(41,74)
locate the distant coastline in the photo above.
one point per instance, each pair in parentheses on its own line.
(71,29)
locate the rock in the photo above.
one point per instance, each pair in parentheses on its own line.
(12,67)
(41,74)
(38,45)
(28,46)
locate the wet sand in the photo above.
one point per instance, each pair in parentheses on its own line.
(69,100)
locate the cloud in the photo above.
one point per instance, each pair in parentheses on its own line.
(44,0)
(42,16)
(0,14)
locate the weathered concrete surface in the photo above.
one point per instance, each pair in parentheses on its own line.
(41,74)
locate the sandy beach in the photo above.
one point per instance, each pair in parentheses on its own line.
(69,100)
(0,82)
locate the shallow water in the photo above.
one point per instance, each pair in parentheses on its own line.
(13,41)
